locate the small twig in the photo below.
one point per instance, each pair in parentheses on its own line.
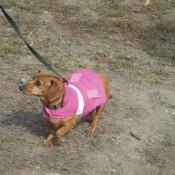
(147,2)
(167,123)
(30,38)
(1,73)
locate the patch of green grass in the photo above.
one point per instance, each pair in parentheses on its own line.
(158,38)
(148,26)
(160,7)
(32,5)
(121,62)
(162,72)
(152,27)
(158,41)
(9,46)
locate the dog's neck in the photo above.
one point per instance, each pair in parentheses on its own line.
(53,105)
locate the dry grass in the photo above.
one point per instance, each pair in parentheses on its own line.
(132,44)
(147,26)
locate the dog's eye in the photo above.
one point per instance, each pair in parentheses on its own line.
(37,83)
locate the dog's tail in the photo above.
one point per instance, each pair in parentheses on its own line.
(110,96)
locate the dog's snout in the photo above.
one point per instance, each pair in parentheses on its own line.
(21,88)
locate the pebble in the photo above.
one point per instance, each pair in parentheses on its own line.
(173,113)
(136,134)
(113,170)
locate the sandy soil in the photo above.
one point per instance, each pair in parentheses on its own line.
(136,134)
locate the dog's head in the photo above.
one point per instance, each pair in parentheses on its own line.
(46,85)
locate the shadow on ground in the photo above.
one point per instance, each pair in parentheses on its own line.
(33,122)
(27,120)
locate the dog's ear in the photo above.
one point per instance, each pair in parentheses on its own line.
(55,91)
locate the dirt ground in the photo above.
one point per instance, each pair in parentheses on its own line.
(134,45)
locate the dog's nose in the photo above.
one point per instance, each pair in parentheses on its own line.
(21,88)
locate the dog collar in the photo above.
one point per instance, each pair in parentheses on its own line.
(56,106)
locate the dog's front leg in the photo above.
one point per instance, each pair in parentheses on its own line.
(68,125)
(48,142)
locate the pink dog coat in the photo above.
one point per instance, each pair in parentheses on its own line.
(83,93)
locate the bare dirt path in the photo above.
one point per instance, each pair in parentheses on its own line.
(133,45)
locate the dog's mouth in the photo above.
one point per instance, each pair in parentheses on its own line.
(24,90)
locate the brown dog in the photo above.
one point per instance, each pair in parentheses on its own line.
(50,89)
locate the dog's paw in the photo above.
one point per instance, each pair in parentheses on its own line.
(61,139)
(91,129)
(47,143)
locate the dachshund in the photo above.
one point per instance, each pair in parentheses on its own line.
(65,102)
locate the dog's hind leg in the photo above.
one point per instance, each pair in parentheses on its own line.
(96,117)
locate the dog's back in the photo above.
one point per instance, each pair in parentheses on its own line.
(92,88)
